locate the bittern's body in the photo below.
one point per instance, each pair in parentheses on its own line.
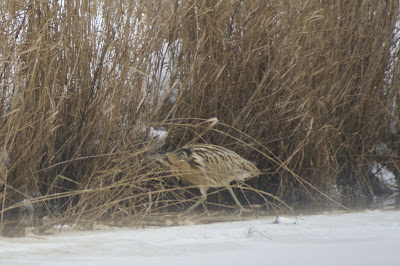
(207,166)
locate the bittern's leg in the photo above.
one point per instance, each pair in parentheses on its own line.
(200,201)
(236,200)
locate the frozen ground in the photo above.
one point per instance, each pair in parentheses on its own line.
(366,238)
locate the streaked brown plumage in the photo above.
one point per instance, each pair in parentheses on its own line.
(206,166)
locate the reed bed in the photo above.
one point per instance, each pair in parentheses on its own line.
(306,89)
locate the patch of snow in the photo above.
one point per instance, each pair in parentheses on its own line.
(383,149)
(284,220)
(159,134)
(367,238)
(4,158)
(174,96)
(160,84)
(385,176)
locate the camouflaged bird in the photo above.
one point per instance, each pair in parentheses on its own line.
(210,166)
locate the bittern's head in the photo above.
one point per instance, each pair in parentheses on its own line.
(181,159)
(178,157)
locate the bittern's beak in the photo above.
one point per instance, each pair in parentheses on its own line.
(158,156)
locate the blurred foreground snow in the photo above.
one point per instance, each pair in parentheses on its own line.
(366,238)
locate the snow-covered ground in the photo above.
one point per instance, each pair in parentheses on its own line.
(365,238)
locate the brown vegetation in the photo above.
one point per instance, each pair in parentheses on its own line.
(307,89)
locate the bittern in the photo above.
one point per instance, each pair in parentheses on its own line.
(209,166)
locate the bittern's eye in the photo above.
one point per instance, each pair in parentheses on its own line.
(187,152)
(184,154)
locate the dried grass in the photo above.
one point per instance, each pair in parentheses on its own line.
(305,89)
